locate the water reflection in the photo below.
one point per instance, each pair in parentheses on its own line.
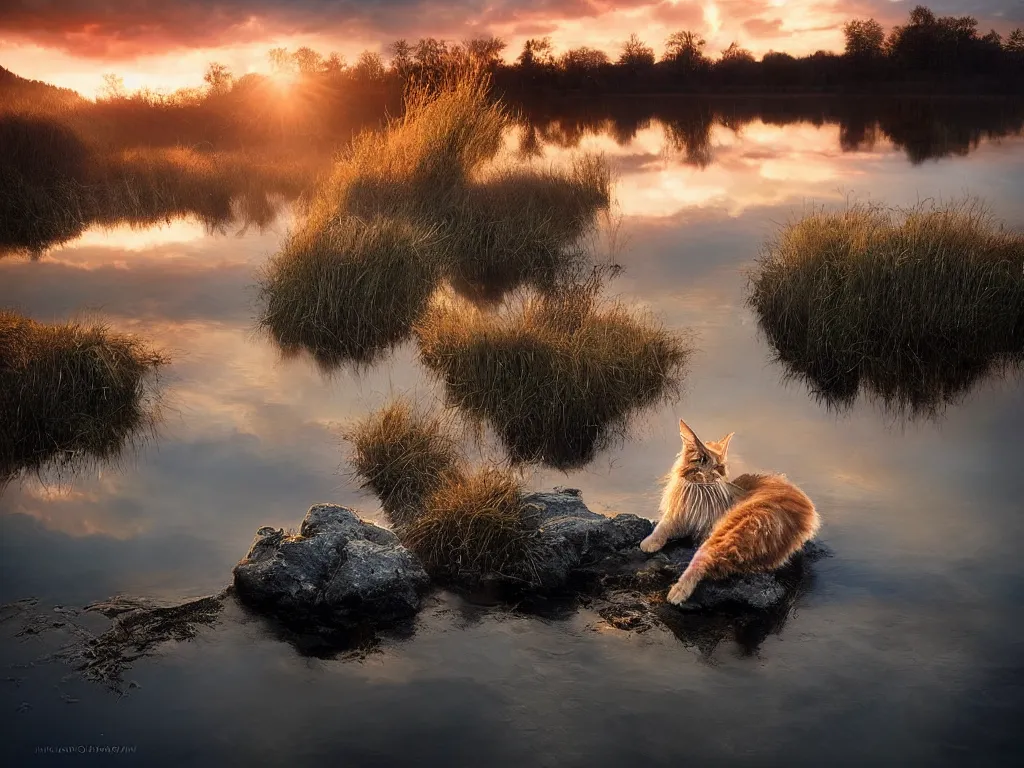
(919,388)
(924,128)
(73,395)
(55,186)
(922,599)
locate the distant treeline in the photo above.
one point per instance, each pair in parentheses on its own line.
(321,100)
(929,53)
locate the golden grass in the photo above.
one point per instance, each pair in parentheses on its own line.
(403,455)
(464,524)
(70,393)
(556,375)
(913,305)
(348,289)
(431,174)
(477,525)
(519,225)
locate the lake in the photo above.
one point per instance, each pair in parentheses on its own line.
(904,649)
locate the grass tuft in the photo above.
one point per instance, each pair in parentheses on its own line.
(70,393)
(348,289)
(912,305)
(477,525)
(432,174)
(403,456)
(464,524)
(556,375)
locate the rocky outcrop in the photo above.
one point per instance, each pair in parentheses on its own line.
(338,568)
(583,545)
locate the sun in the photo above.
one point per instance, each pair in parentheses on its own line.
(284,79)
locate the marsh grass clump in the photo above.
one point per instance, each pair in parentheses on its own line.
(519,225)
(414,203)
(556,375)
(403,455)
(422,161)
(464,524)
(347,289)
(476,525)
(913,306)
(70,393)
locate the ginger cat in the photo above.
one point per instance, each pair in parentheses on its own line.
(750,523)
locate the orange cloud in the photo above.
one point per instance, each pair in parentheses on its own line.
(167,44)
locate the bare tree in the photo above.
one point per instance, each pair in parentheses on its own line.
(636,53)
(537,51)
(218,77)
(113,87)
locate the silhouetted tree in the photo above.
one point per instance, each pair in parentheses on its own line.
(636,54)
(430,53)
(307,61)
(537,52)
(864,39)
(685,49)
(485,50)
(401,57)
(734,54)
(369,67)
(334,64)
(1015,42)
(218,77)
(583,58)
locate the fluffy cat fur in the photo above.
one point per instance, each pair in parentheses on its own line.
(750,523)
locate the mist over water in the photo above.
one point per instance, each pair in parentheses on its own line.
(905,643)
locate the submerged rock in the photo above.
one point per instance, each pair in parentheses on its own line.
(338,568)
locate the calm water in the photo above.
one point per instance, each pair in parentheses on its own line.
(906,650)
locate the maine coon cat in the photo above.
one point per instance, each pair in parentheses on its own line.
(750,523)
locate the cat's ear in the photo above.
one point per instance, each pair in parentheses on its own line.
(688,435)
(723,445)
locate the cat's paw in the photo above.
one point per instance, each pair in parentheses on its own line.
(651,544)
(680,593)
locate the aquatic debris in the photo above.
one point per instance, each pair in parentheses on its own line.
(138,627)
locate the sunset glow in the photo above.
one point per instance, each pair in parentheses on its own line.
(167,46)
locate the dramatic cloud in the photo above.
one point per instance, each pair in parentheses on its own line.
(34,34)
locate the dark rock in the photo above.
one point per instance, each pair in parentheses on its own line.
(338,568)
(637,571)
(574,536)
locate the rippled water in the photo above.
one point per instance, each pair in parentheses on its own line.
(905,649)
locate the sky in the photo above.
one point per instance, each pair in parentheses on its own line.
(166,44)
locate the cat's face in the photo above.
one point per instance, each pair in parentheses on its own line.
(703,463)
